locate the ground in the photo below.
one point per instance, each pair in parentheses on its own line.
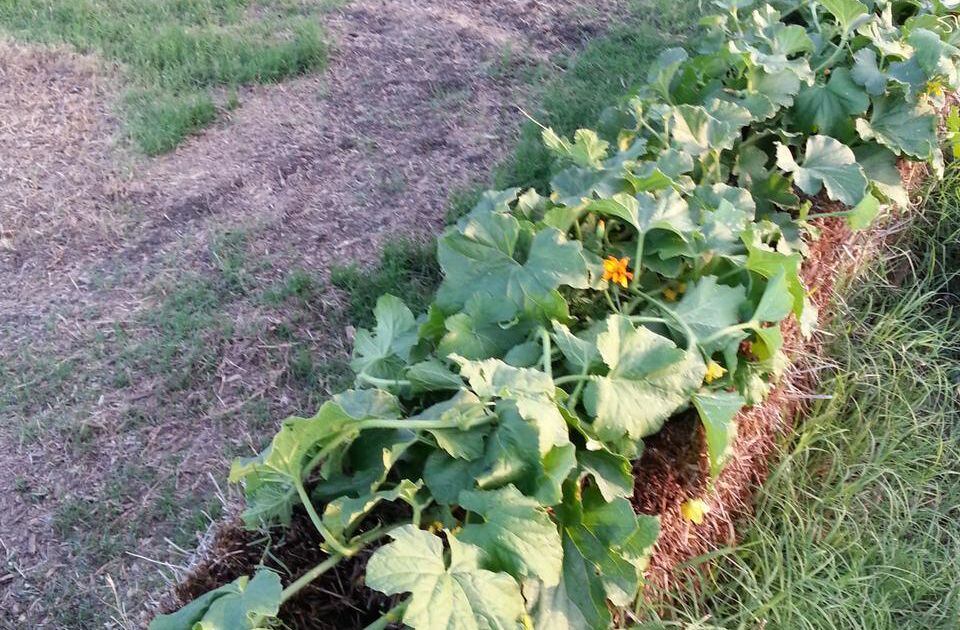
(161,315)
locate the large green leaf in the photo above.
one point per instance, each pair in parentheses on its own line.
(516,535)
(649,379)
(482,258)
(903,127)
(464,409)
(849,13)
(867,73)
(443,595)
(708,307)
(826,162)
(698,131)
(880,166)
(776,303)
(611,472)
(770,264)
(383,352)
(344,513)
(587,150)
(244,604)
(605,546)
(829,108)
(717,412)
(487,327)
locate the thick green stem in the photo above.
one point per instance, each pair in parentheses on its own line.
(382,382)
(391,616)
(841,47)
(309,576)
(417,425)
(691,336)
(327,535)
(729,329)
(638,260)
(570,378)
(547,352)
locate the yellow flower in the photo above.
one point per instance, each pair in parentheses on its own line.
(616,271)
(670,295)
(694,510)
(934,88)
(714,371)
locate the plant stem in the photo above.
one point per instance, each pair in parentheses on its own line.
(309,576)
(691,336)
(570,378)
(638,260)
(382,382)
(392,615)
(547,352)
(832,58)
(328,537)
(417,425)
(729,329)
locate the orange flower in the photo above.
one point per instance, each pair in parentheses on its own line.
(616,271)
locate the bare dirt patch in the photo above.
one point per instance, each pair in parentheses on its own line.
(138,348)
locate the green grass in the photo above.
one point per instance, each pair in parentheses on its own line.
(182,59)
(583,88)
(407,269)
(857,526)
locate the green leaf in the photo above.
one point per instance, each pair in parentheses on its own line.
(721,228)
(777,301)
(581,354)
(345,512)
(487,327)
(605,546)
(479,259)
(770,264)
(444,596)
(270,478)
(826,162)
(717,412)
(933,55)
(697,131)
(432,375)
(880,166)
(664,69)
(863,214)
(649,379)
(244,604)
(903,127)
(708,307)
(867,73)
(612,473)
(383,352)
(587,150)
(849,13)
(828,108)
(516,535)
(464,410)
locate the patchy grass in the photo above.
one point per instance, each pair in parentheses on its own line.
(183,59)
(601,75)
(857,525)
(407,269)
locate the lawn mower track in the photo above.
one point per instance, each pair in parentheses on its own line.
(317,171)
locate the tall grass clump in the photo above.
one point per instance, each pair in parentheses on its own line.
(857,526)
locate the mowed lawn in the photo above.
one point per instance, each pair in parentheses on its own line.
(182,61)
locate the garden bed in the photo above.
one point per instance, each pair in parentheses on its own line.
(674,468)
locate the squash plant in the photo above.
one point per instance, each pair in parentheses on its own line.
(650,280)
